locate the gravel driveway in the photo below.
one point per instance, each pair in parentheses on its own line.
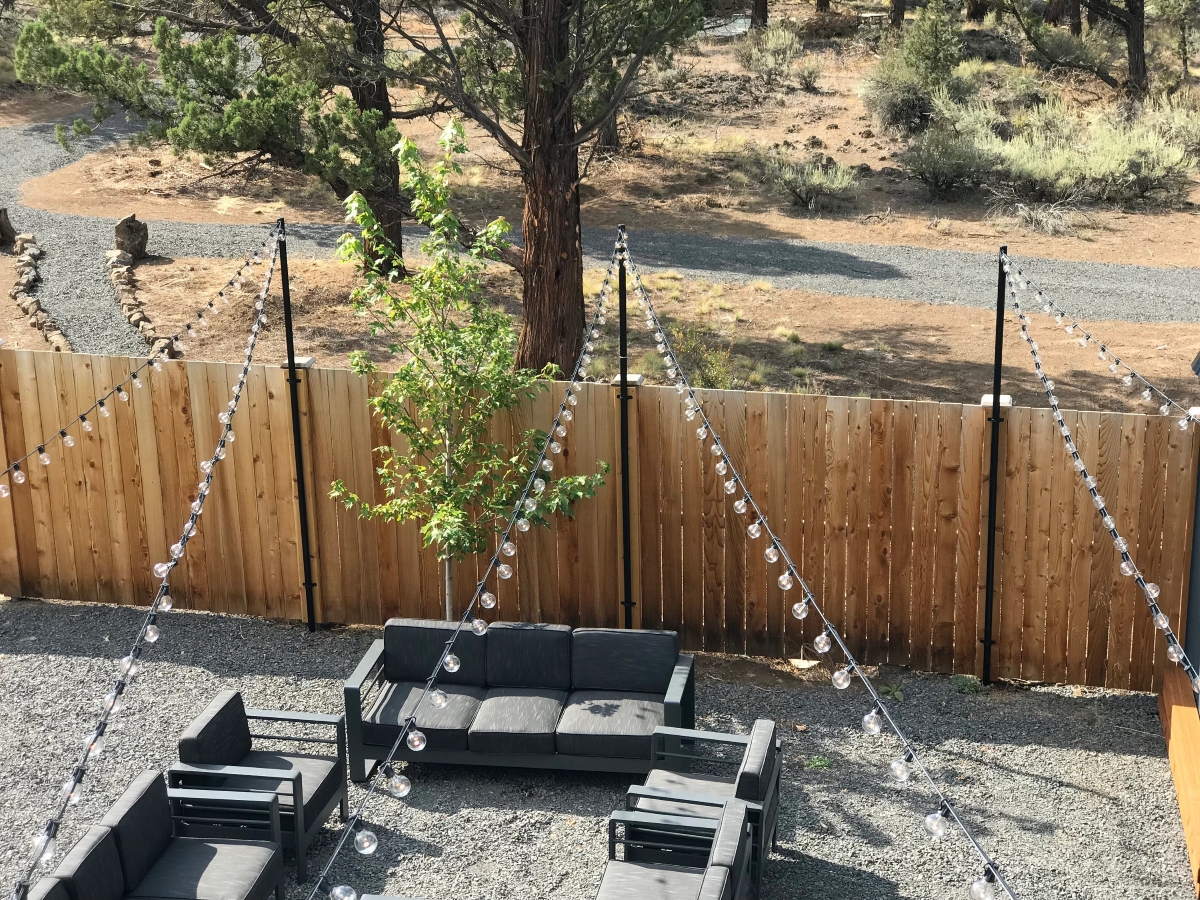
(1072,795)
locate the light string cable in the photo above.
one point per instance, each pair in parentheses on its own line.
(1127,374)
(45,843)
(984,887)
(1128,567)
(15,474)
(398,785)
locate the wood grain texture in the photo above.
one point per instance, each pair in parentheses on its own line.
(1181,728)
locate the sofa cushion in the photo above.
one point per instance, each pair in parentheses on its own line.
(649,881)
(412,647)
(716,884)
(445,728)
(48,888)
(141,824)
(516,720)
(213,869)
(758,762)
(529,655)
(319,780)
(730,844)
(685,783)
(607,723)
(615,659)
(219,736)
(92,870)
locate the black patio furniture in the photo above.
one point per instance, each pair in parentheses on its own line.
(756,781)
(216,751)
(529,695)
(160,844)
(678,857)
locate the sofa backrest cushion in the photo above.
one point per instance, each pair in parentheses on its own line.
(219,736)
(754,776)
(412,647)
(92,870)
(731,844)
(529,655)
(141,825)
(715,885)
(49,888)
(617,659)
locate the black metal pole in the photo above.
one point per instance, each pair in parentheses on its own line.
(297,441)
(989,590)
(624,396)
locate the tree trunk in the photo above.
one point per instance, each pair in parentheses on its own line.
(822,6)
(1076,18)
(8,234)
(1135,44)
(977,10)
(448,561)
(1056,10)
(368,87)
(758,14)
(553,260)
(607,138)
(1184,53)
(896,15)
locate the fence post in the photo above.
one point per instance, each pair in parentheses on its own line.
(1192,622)
(989,589)
(623,398)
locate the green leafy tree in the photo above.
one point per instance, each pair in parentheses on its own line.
(933,43)
(458,371)
(1182,17)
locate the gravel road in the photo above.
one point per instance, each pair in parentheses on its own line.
(75,292)
(1072,795)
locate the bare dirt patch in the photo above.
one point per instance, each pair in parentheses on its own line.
(20,105)
(14,324)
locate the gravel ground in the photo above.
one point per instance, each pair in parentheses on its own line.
(1072,795)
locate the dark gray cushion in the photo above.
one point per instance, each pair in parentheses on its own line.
(649,881)
(614,659)
(730,844)
(445,728)
(516,720)
(529,655)
(754,776)
(213,869)
(412,647)
(606,723)
(49,888)
(319,780)
(680,783)
(92,870)
(141,824)
(716,884)
(219,736)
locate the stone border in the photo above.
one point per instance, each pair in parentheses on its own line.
(27,251)
(120,273)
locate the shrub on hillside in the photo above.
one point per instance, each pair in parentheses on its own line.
(932,45)
(808,72)
(897,98)
(825,26)
(769,52)
(812,184)
(1177,119)
(945,161)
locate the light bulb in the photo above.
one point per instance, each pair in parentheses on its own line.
(900,770)
(206,466)
(399,785)
(18,476)
(1098,501)
(530,504)
(223,418)
(123,396)
(1127,567)
(730,486)
(416,740)
(873,722)
(555,447)
(1121,544)
(1090,481)
(522,525)
(130,666)
(1165,408)
(1079,464)
(451,663)
(1152,590)
(571,398)
(166,602)
(1108,522)
(176,551)
(487,600)
(112,702)
(104,411)
(4,491)
(479,626)
(822,642)
(1102,355)
(547,465)
(161,569)
(504,570)
(1146,394)
(44,847)
(1083,341)
(935,824)
(151,633)
(800,610)
(739,507)
(715,450)
(701,432)
(785,581)
(841,679)
(722,468)
(771,555)
(94,745)
(72,791)
(68,441)
(508,548)
(561,431)
(43,457)
(1113,368)
(1162,621)
(689,414)
(1174,651)
(438,698)
(754,530)
(197,506)
(1184,423)
(365,842)
(343,892)
(220,451)
(982,889)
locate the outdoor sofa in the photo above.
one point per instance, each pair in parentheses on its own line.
(160,844)
(217,751)
(528,695)
(755,780)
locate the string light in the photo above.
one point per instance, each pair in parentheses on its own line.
(1127,567)
(44,845)
(937,823)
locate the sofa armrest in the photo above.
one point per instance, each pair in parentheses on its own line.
(638,791)
(214,810)
(680,702)
(367,670)
(655,829)
(369,666)
(210,771)
(302,718)
(673,747)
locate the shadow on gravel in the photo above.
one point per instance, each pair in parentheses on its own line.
(794,874)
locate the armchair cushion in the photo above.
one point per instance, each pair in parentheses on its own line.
(516,720)
(445,728)
(685,783)
(529,655)
(758,762)
(412,647)
(141,824)
(649,881)
(608,723)
(212,869)
(730,844)
(219,736)
(615,659)
(320,777)
(49,888)
(92,870)
(716,884)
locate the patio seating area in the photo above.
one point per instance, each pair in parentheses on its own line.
(1060,781)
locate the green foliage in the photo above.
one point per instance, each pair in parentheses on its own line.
(458,372)
(896,96)
(1182,17)
(1177,119)
(707,365)
(809,72)
(892,691)
(932,45)
(966,684)
(825,26)
(944,161)
(817,762)
(813,185)
(769,52)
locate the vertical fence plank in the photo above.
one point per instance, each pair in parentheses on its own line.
(10,568)
(1086,430)
(646,504)
(691,633)
(1177,540)
(61,547)
(904,436)
(713,513)
(857,523)
(1150,554)
(1125,592)
(1102,568)
(1007,659)
(670,417)
(794,461)
(879,560)
(925,505)
(607,441)
(775,510)
(110,370)
(1043,434)
(258,439)
(949,477)
(37,484)
(282,451)
(756,566)
(735,533)
(816,422)
(966,587)
(88,384)
(1058,586)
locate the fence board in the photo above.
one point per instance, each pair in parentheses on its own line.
(1010,593)
(857,525)
(734,439)
(837,454)
(924,536)
(756,566)
(1100,581)
(1043,436)
(776,513)
(713,513)
(904,429)
(949,477)
(1058,587)
(879,562)
(815,496)
(1125,592)
(1149,560)
(971,528)
(793,534)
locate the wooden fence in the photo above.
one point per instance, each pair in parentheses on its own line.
(881,503)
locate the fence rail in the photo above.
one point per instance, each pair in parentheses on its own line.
(882,504)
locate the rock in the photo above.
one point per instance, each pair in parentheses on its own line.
(832,126)
(891,172)
(117,258)
(814,143)
(131,236)
(146,327)
(866,133)
(863,169)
